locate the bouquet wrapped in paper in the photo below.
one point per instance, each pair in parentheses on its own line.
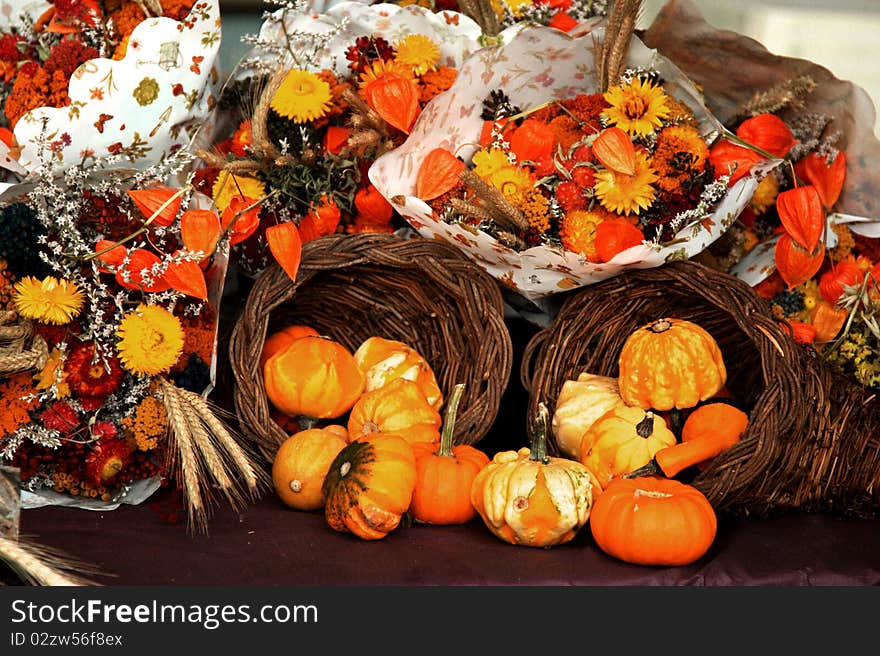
(557,160)
(809,240)
(312,104)
(93,78)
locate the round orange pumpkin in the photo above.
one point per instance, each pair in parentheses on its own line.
(653,521)
(383,360)
(279,340)
(313,377)
(369,486)
(399,408)
(670,363)
(301,463)
(445,474)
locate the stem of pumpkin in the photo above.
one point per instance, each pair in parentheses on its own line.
(645,428)
(538,446)
(449,421)
(660,326)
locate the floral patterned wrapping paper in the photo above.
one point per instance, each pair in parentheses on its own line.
(157,99)
(455,34)
(731,67)
(535,65)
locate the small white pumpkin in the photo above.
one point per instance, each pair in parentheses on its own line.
(581,402)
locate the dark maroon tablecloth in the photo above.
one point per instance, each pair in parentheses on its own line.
(269,544)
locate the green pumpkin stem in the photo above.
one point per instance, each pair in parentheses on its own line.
(645,428)
(538,444)
(449,421)
(305,423)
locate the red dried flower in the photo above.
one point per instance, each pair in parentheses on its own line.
(60,417)
(88,377)
(106,460)
(68,55)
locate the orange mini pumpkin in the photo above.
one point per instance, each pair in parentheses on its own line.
(399,408)
(313,377)
(445,474)
(301,463)
(653,521)
(280,339)
(382,360)
(670,363)
(369,486)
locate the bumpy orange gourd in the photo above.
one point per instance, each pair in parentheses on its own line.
(670,363)
(445,474)
(528,498)
(399,408)
(653,521)
(382,360)
(579,404)
(369,486)
(280,339)
(623,440)
(313,377)
(300,464)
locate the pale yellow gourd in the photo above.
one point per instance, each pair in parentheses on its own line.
(580,403)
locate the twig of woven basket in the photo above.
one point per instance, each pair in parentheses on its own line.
(813,441)
(419,291)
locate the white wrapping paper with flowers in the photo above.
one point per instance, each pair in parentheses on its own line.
(319,39)
(535,67)
(157,99)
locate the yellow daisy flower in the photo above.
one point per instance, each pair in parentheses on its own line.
(487,161)
(379,68)
(49,300)
(227,185)
(150,340)
(578,232)
(638,108)
(627,194)
(302,97)
(418,52)
(513,182)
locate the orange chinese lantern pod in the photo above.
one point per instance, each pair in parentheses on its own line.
(486,131)
(615,150)
(439,172)
(285,245)
(186,277)
(321,221)
(827,320)
(7,137)
(767,132)
(770,286)
(826,178)
(246,221)
(200,230)
(140,260)
(112,257)
(336,138)
(372,206)
(796,265)
(532,140)
(800,211)
(726,157)
(803,333)
(614,236)
(150,201)
(840,275)
(395,99)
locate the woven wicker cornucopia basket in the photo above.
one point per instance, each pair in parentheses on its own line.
(813,440)
(422,292)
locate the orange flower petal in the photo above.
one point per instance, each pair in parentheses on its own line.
(439,172)
(615,150)
(200,230)
(187,277)
(286,246)
(395,99)
(795,264)
(149,201)
(800,211)
(826,178)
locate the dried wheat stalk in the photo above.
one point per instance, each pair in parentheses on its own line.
(785,94)
(39,565)
(619,28)
(483,14)
(205,456)
(494,202)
